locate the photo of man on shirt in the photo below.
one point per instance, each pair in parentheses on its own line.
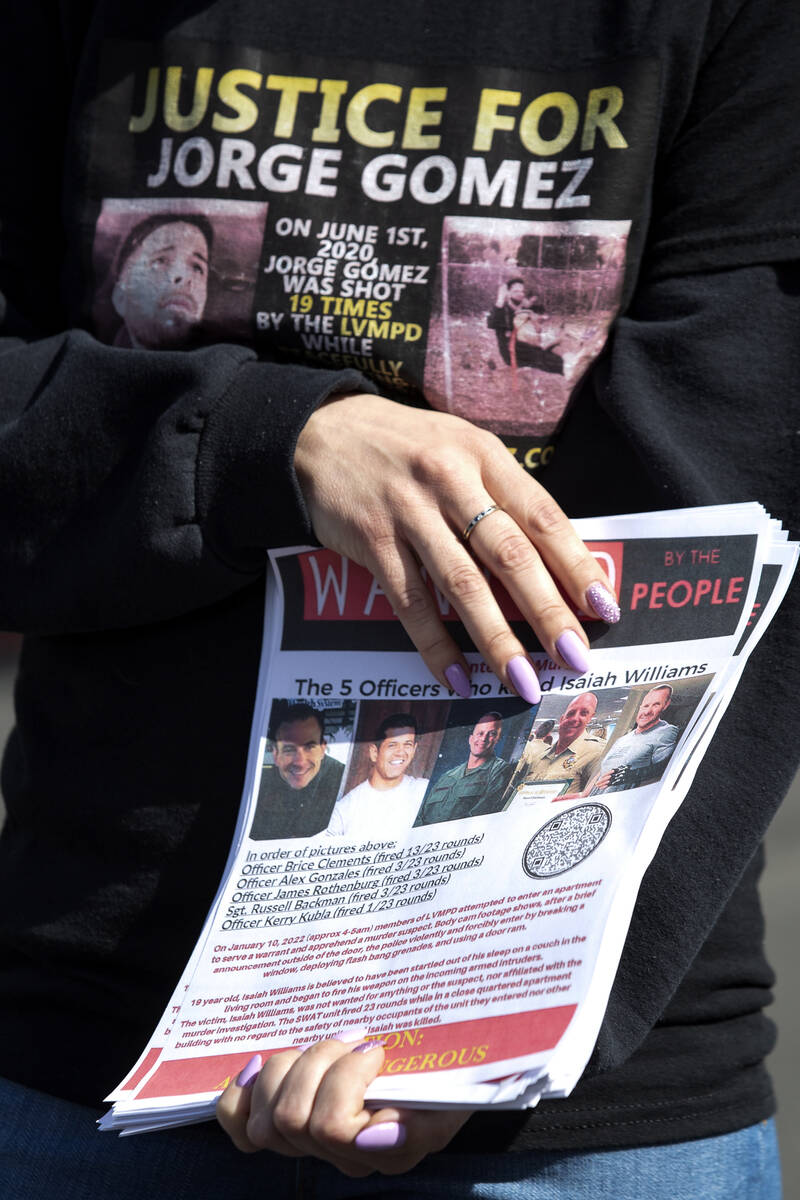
(161,282)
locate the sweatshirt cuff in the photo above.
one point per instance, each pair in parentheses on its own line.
(248,496)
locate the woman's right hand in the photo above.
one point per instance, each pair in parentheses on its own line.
(393,487)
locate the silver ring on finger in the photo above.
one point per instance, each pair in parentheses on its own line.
(476,520)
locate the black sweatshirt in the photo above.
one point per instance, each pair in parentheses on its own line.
(631,163)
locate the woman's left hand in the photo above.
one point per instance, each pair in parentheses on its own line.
(312,1103)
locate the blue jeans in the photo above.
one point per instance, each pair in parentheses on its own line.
(50,1149)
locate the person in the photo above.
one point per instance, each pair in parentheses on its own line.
(545,732)
(475,786)
(386,802)
(640,755)
(537,346)
(298,791)
(573,757)
(161,283)
(140,488)
(511,300)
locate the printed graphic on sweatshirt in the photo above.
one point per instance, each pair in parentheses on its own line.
(521,309)
(463,237)
(175,273)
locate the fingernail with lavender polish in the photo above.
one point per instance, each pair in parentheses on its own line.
(523,679)
(365,1047)
(458,679)
(355,1034)
(602,603)
(381,1137)
(573,651)
(248,1073)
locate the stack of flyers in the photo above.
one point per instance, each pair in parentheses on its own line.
(456,874)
